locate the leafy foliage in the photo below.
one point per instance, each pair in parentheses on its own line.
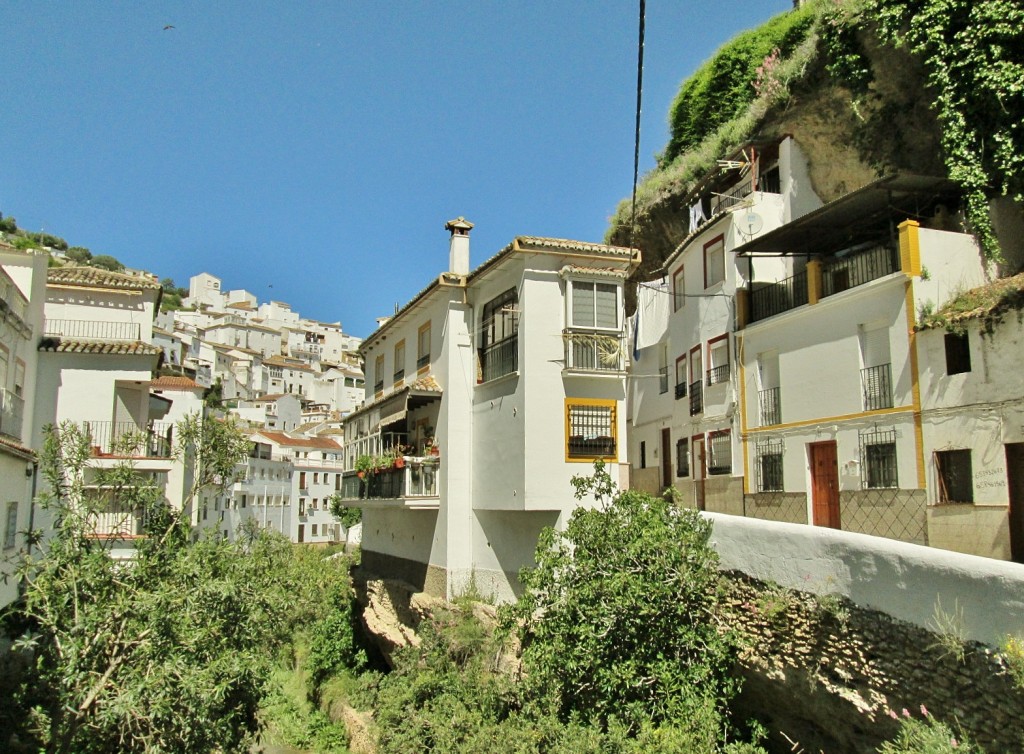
(973,52)
(79,254)
(106,262)
(8,224)
(618,619)
(348,517)
(927,736)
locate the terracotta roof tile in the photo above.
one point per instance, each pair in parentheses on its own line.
(281,438)
(174,382)
(119,348)
(94,277)
(15,447)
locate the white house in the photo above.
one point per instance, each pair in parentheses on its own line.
(22,290)
(515,372)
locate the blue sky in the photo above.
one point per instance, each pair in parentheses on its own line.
(311,152)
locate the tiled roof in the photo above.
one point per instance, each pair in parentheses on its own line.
(321,443)
(119,348)
(269,397)
(539,243)
(13,446)
(572,269)
(985,302)
(93,277)
(426,383)
(174,382)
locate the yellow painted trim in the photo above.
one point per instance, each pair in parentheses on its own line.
(611,402)
(813,281)
(743,416)
(915,386)
(910,247)
(827,419)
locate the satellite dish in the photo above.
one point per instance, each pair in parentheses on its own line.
(751,223)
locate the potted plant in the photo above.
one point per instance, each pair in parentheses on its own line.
(430,448)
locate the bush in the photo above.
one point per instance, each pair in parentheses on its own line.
(79,254)
(8,224)
(927,736)
(107,262)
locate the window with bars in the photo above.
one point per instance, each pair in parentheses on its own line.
(681,376)
(423,347)
(663,368)
(953,468)
(590,429)
(499,336)
(878,459)
(378,374)
(769,466)
(399,374)
(720,452)
(683,457)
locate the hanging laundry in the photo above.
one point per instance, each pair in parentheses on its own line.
(697,215)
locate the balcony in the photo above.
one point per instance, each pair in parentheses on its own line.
(12,409)
(842,273)
(719,374)
(114,520)
(423,361)
(680,390)
(696,397)
(594,352)
(499,359)
(771,407)
(770,299)
(415,482)
(876,385)
(91,330)
(129,440)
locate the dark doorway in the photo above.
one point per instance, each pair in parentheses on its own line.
(666,458)
(1015,483)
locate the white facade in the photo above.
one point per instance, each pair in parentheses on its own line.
(520,388)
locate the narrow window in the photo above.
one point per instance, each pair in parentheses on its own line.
(714,262)
(423,347)
(958,353)
(683,457)
(678,290)
(643,454)
(953,469)
(499,337)
(378,374)
(769,466)
(11,528)
(876,376)
(663,368)
(718,360)
(681,377)
(720,452)
(878,459)
(399,373)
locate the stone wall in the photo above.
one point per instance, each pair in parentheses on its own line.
(894,513)
(789,507)
(724,494)
(823,672)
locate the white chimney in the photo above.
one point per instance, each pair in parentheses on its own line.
(458,251)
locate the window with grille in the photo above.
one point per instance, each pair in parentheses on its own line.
(681,376)
(878,459)
(714,262)
(499,336)
(378,374)
(958,353)
(953,468)
(663,368)
(590,429)
(683,457)
(399,374)
(718,357)
(769,466)
(423,347)
(720,452)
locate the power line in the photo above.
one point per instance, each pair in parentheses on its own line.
(636,139)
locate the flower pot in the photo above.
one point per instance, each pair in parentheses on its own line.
(399,463)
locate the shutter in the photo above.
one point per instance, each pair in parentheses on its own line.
(876,347)
(582,304)
(606,306)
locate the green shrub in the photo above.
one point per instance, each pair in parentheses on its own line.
(927,736)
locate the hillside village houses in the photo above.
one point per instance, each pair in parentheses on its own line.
(491,389)
(780,375)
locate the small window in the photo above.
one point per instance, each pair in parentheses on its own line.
(714,262)
(769,466)
(720,450)
(953,468)
(499,336)
(878,459)
(678,290)
(590,429)
(958,353)
(399,374)
(683,457)
(312,530)
(11,527)
(423,347)
(663,368)
(378,374)
(594,305)
(643,454)
(718,361)
(681,376)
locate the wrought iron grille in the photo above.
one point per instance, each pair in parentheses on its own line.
(92,330)
(696,397)
(680,390)
(876,384)
(499,359)
(129,439)
(771,406)
(840,274)
(591,431)
(718,374)
(720,452)
(774,298)
(878,459)
(769,466)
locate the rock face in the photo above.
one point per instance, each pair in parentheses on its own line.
(392,611)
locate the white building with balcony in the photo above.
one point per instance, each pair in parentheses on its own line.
(22,290)
(515,373)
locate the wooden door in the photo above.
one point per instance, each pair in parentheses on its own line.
(825,484)
(1015,485)
(666,457)
(698,470)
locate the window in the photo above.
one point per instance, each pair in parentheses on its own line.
(718,360)
(378,374)
(663,368)
(590,429)
(720,452)
(681,377)
(312,530)
(643,454)
(19,378)
(594,305)
(399,374)
(768,394)
(878,459)
(958,353)
(696,382)
(953,468)
(499,336)
(876,376)
(678,290)
(11,527)
(683,457)
(714,262)
(769,466)
(423,347)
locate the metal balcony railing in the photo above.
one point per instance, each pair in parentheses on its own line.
(378,386)
(418,478)
(499,359)
(12,411)
(680,390)
(876,383)
(696,397)
(92,330)
(718,374)
(769,299)
(771,407)
(842,273)
(127,439)
(116,520)
(423,361)
(594,352)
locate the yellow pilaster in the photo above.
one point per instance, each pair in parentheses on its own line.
(742,308)
(744,440)
(915,385)
(813,281)
(910,247)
